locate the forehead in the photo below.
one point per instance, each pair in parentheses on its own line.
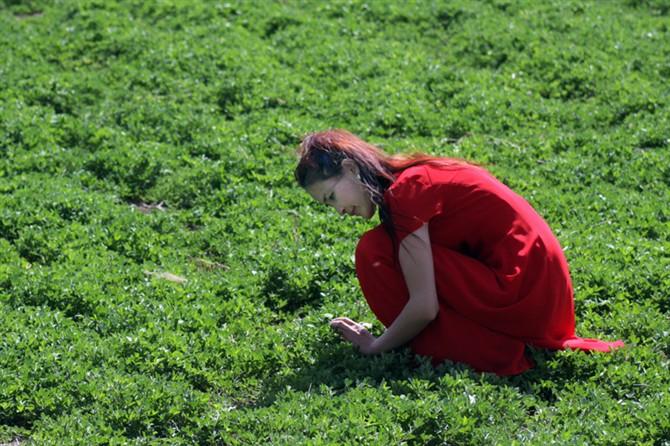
(320,188)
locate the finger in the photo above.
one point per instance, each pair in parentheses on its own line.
(356,329)
(342,320)
(349,322)
(341,329)
(336,322)
(345,330)
(337,325)
(344,323)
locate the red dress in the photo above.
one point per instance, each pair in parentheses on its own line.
(502,279)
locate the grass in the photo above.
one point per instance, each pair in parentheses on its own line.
(163,281)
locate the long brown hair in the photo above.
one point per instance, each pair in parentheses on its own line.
(321,154)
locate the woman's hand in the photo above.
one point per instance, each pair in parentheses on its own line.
(355,333)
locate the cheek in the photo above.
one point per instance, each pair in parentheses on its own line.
(346,195)
(366,198)
(363,196)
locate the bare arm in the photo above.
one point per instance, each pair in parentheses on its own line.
(416,262)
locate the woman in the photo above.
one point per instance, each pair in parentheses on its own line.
(461,268)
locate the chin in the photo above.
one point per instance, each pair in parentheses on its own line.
(370,213)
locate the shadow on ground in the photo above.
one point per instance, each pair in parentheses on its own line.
(339,367)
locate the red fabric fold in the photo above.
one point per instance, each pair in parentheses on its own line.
(589,344)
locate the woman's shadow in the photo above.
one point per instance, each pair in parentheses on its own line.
(340,368)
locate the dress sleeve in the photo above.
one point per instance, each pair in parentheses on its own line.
(413,200)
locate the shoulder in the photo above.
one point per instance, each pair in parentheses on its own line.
(416,173)
(409,182)
(427,175)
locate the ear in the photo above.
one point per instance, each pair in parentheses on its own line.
(350,166)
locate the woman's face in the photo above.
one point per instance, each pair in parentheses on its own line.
(345,193)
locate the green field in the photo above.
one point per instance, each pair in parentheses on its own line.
(141,138)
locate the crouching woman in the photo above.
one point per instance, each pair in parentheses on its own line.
(460,268)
